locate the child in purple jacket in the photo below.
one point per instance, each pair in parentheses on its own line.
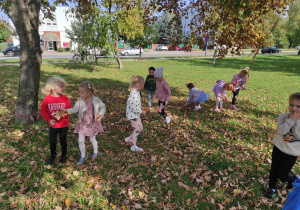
(219,91)
(163,93)
(196,96)
(239,80)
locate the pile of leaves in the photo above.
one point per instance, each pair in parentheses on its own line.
(204,159)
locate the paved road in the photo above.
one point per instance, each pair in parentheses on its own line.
(148,53)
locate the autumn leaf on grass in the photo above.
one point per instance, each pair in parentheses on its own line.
(137,206)
(68,202)
(180,184)
(98,118)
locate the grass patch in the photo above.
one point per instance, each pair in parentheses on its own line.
(202,160)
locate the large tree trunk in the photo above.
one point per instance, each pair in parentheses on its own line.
(25,16)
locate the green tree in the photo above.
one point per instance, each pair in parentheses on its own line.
(234,23)
(5,31)
(148,37)
(293,24)
(166,29)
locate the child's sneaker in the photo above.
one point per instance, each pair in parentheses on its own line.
(135,148)
(197,108)
(95,155)
(270,194)
(63,159)
(127,140)
(233,107)
(50,160)
(81,160)
(217,110)
(168,119)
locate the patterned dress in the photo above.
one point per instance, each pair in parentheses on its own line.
(88,126)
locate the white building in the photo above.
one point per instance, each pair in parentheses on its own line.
(52,32)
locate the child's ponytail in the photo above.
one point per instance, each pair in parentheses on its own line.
(134,80)
(245,72)
(228,86)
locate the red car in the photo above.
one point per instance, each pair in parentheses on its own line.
(175,47)
(187,48)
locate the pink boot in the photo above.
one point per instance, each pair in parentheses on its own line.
(234,107)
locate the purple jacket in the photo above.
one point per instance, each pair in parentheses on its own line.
(218,88)
(163,91)
(194,94)
(235,80)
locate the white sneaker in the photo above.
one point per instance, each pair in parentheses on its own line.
(127,140)
(135,149)
(168,119)
(197,108)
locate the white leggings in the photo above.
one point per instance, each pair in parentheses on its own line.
(219,102)
(82,145)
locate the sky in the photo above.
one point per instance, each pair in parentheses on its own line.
(3,16)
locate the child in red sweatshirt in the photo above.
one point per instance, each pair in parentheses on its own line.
(50,110)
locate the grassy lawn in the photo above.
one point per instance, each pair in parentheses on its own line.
(202,160)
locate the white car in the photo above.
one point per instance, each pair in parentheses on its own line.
(131,51)
(161,48)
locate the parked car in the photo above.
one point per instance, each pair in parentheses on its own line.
(175,48)
(131,51)
(12,51)
(161,48)
(270,50)
(187,48)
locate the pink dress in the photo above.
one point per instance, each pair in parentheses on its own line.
(88,126)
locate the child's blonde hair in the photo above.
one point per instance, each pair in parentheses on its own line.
(228,86)
(245,72)
(52,82)
(135,79)
(87,86)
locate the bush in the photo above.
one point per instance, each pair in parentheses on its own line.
(60,49)
(67,49)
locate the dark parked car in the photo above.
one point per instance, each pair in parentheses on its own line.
(12,51)
(175,48)
(270,50)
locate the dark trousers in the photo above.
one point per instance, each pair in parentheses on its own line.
(163,110)
(235,94)
(53,133)
(281,166)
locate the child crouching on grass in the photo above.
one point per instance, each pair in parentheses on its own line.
(196,96)
(286,147)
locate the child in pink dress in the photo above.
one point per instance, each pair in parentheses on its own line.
(90,111)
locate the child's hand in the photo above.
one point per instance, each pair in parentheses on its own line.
(166,103)
(52,122)
(226,99)
(295,115)
(144,112)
